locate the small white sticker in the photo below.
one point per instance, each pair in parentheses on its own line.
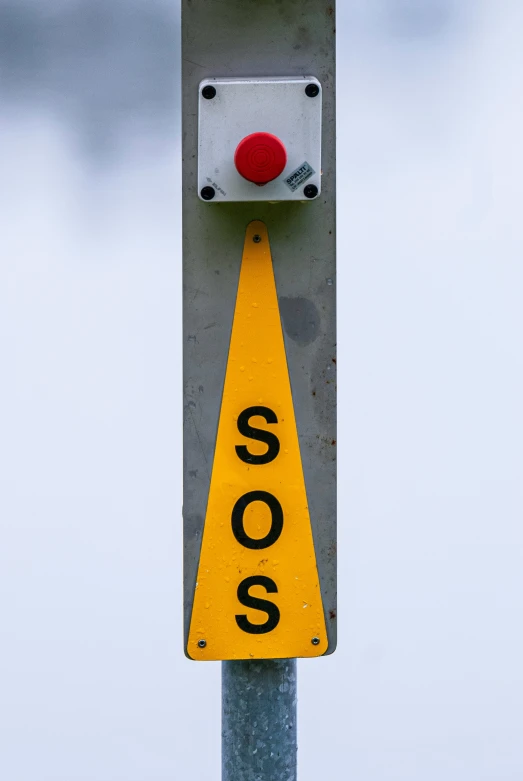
(216,186)
(299,176)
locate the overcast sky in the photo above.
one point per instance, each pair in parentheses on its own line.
(427,684)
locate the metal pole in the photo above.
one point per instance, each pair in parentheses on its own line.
(242,38)
(259,720)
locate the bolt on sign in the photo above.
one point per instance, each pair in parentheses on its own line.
(257,592)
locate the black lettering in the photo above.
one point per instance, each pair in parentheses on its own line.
(260,435)
(238,528)
(245,599)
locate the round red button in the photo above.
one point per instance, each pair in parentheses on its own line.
(260,157)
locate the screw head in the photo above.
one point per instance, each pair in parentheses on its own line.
(256,238)
(315,641)
(310,191)
(203,643)
(208,193)
(312,90)
(209,92)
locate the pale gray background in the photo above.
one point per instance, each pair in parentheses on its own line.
(427,684)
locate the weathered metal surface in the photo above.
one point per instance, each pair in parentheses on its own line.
(259,721)
(269,38)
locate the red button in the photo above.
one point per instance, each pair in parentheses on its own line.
(260,158)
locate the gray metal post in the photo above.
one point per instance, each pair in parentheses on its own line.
(259,721)
(255,38)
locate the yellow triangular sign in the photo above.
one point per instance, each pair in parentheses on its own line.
(257,593)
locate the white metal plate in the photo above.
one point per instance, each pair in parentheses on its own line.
(273,105)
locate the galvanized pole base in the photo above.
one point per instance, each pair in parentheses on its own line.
(259,720)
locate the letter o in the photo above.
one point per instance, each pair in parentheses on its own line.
(238,528)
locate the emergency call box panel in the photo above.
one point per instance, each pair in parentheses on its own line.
(259,139)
